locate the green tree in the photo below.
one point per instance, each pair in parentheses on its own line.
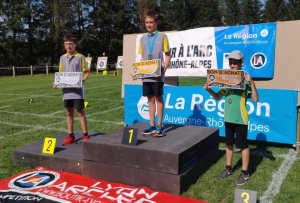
(167,15)
(208,14)
(232,14)
(184,14)
(108,21)
(251,11)
(293,8)
(13,41)
(275,10)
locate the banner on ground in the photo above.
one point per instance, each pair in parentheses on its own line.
(193,51)
(271,120)
(49,186)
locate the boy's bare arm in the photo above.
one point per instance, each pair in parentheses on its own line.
(167,61)
(254,94)
(215,95)
(86,76)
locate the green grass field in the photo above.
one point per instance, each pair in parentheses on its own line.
(274,169)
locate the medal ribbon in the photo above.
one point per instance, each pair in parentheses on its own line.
(151,46)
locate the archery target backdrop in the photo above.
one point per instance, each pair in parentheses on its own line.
(88,61)
(102,63)
(120,62)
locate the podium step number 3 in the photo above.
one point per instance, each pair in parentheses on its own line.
(130,136)
(49,145)
(244,196)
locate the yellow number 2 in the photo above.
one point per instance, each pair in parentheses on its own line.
(247,196)
(130,136)
(49,145)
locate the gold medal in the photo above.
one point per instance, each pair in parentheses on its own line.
(150,56)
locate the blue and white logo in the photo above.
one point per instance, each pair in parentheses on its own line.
(143,108)
(258,60)
(34,180)
(256,41)
(264,33)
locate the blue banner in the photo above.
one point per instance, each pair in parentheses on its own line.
(271,120)
(256,41)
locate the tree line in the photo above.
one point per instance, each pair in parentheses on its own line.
(31,31)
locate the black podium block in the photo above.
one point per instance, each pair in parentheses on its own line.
(181,148)
(170,163)
(155,180)
(65,158)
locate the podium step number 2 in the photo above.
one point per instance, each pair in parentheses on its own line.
(130,136)
(49,145)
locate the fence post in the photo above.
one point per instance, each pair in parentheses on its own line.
(31,70)
(47,72)
(14,72)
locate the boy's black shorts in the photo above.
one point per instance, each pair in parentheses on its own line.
(153,88)
(74,103)
(241,132)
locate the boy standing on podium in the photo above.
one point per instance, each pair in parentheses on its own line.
(73,98)
(154,45)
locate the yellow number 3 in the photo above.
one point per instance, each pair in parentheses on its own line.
(246,198)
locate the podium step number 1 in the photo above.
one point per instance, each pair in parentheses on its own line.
(244,196)
(130,136)
(49,145)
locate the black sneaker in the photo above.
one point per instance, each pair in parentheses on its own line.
(225,173)
(242,179)
(150,129)
(159,132)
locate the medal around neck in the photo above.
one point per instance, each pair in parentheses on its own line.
(229,94)
(146,69)
(151,44)
(233,79)
(68,79)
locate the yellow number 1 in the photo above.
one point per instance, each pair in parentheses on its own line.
(130,136)
(247,196)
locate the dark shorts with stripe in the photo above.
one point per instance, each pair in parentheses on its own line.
(241,132)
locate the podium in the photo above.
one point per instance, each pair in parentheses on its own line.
(170,163)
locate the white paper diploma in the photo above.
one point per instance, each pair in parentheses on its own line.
(68,79)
